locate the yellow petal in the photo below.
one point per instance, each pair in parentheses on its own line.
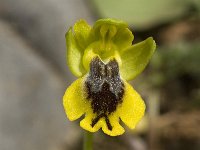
(87,121)
(117,129)
(74,101)
(132,108)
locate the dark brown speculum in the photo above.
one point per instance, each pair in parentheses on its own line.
(105,89)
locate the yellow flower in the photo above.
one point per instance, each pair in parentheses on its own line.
(104,59)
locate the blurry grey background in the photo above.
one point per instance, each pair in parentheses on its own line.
(34,74)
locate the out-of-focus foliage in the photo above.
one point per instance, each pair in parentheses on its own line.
(177,60)
(176,72)
(144,14)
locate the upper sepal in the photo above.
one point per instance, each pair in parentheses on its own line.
(111,31)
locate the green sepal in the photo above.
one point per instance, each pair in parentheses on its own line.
(117,23)
(111,31)
(135,58)
(81,33)
(74,55)
(123,38)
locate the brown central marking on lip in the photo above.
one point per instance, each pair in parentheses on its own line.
(105,89)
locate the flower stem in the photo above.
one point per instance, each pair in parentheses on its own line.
(87,141)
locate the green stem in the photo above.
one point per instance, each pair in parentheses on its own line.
(87,141)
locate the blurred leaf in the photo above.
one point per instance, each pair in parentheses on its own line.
(144,14)
(172,62)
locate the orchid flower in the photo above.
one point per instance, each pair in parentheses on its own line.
(103,59)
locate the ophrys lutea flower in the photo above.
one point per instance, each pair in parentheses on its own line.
(104,59)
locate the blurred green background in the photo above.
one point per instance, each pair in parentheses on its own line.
(34,75)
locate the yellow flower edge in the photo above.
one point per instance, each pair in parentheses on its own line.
(130,111)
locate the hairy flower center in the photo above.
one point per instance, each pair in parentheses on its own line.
(105,89)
